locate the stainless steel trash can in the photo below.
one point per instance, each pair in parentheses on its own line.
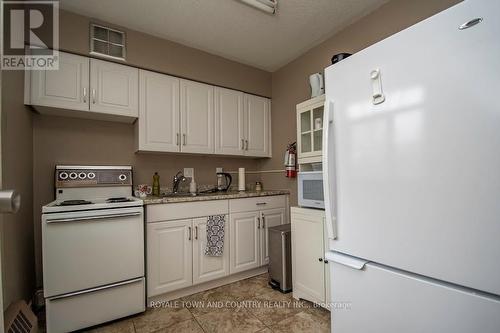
(280,257)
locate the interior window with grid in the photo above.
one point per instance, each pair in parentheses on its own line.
(107,42)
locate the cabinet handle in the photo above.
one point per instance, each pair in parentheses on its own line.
(242,144)
(261,203)
(84,95)
(93,96)
(320,259)
(189,234)
(184,140)
(263,221)
(326,261)
(178,139)
(258,223)
(246,142)
(196,232)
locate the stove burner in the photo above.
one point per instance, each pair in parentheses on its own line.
(74,202)
(118,199)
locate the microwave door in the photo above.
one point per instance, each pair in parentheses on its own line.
(311,190)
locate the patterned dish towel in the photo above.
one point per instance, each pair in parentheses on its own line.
(215,235)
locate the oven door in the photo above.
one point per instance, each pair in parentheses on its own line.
(87,249)
(310,186)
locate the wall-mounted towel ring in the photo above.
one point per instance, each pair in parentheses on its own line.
(378,95)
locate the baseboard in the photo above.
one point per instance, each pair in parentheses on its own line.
(206,286)
(298,294)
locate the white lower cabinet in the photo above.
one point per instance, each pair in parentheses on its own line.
(170,253)
(309,266)
(206,268)
(249,230)
(177,238)
(245,235)
(176,255)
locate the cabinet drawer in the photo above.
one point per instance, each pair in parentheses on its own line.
(64,313)
(185,210)
(259,203)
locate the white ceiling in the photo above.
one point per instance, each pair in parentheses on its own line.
(230,28)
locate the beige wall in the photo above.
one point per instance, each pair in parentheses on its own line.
(17,159)
(290,83)
(59,140)
(149,52)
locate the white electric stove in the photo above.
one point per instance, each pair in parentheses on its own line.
(93,248)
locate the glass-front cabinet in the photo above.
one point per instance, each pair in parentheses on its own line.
(310,130)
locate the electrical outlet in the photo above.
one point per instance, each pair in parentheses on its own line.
(219,169)
(189,172)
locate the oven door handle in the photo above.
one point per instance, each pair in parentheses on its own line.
(96,217)
(87,291)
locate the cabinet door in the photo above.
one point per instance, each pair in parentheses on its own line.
(197,117)
(229,122)
(304,133)
(158,124)
(114,88)
(170,256)
(205,267)
(258,125)
(244,241)
(328,291)
(269,218)
(310,131)
(67,87)
(308,253)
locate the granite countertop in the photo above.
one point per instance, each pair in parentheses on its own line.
(149,200)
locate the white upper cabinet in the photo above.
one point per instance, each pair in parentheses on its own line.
(229,122)
(175,115)
(310,130)
(67,87)
(158,125)
(85,88)
(114,88)
(197,117)
(258,126)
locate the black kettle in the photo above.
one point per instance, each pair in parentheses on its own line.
(223,185)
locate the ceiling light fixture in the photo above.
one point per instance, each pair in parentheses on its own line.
(268,6)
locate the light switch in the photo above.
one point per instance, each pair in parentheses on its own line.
(189,172)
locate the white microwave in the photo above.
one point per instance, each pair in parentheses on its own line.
(310,186)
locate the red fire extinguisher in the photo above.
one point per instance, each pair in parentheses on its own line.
(290,167)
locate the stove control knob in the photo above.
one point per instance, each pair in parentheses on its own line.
(82,175)
(73,175)
(91,175)
(122,177)
(63,175)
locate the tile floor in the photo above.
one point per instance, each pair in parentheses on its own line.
(245,306)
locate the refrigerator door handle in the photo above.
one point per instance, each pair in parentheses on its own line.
(378,94)
(344,259)
(331,222)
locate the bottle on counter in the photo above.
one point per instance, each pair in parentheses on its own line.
(156,184)
(258,186)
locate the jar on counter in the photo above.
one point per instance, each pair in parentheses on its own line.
(258,186)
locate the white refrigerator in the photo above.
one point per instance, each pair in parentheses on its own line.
(412,178)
